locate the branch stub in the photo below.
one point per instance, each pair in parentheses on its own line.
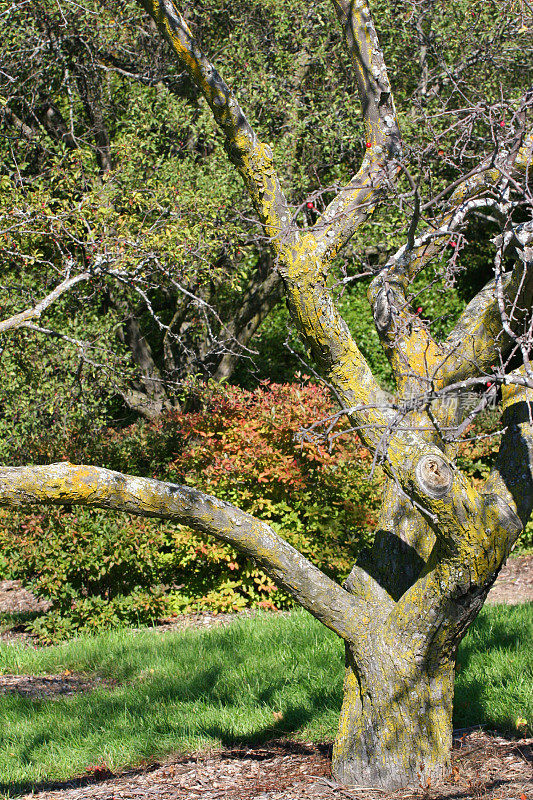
(382,311)
(434,476)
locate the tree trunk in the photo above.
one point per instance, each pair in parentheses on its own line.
(395,727)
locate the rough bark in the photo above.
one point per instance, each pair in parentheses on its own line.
(395,728)
(67,483)
(441,540)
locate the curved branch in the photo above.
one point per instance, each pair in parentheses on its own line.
(491,322)
(471,193)
(259,299)
(420,468)
(66,483)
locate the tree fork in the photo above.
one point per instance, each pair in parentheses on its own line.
(448,537)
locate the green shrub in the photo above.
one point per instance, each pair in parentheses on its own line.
(101,570)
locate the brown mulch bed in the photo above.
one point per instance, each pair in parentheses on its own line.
(484,767)
(514,583)
(15,599)
(50,687)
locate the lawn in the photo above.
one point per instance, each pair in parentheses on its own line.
(260,678)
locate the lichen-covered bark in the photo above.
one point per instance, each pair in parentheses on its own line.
(395,727)
(95,487)
(511,480)
(252,157)
(29,314)
(440,540)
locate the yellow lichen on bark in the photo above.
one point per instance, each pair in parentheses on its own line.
(393,723)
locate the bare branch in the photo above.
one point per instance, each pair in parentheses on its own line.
(258,300)
(23,317)
(422,470)
(486,329)
(63,483)
(25,130)
(416,358)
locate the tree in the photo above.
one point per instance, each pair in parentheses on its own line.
(95,138)
(440,539)
(67,122)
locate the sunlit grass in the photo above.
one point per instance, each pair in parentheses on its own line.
(494,685)
(259,678)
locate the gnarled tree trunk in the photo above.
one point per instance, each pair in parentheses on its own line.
(396,721)
(441,540)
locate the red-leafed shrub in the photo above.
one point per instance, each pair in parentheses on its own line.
(242,446)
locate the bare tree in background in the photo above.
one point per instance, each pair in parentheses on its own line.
(440,541)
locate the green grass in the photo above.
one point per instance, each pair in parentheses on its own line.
(16,620)
(195,689)
(494,685)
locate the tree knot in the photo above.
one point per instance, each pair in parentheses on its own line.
(434,476)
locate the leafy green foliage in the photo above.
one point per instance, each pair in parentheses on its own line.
(166,207)
(101,570)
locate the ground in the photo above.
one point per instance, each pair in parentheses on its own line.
(515,582)
(485,766)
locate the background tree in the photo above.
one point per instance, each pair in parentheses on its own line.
(175,306)
(440,540)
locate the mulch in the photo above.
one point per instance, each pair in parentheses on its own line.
(485,765)
(15,599)
(514,583)
(50,687)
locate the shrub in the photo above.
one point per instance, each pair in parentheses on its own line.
(101,570)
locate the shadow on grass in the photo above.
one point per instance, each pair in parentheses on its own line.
(165,711)
(172,696)
(493,634)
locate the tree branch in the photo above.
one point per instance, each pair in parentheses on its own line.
(299,261)
(25,130)
(418,361)
(471,192)
(356,201)
(481,337)
(64,483)
(252,158)
(512,475)
(421,469)
(259,299)
(21,319)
